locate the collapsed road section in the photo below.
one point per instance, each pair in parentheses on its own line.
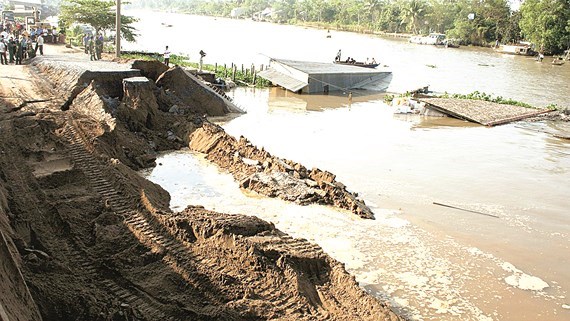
(92,240)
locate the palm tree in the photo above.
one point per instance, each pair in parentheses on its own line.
(412,12)
(373,7)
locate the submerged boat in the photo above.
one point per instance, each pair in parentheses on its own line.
(431,39)
(357,64)
(451,43)
(518,49)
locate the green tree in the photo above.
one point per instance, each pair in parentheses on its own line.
(412,12)
(373,7)
(97,13)
(546,23)
(441,15)
(512,32)
(488,19)
(388,19)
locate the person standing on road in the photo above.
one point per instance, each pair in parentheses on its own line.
(166,56)
(86,42)
(3,49)
(98,46)
(91,45)
(12,49)
(40,44)
(20,47)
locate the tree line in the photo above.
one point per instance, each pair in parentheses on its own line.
(545,23)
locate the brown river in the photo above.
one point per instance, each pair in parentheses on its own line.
(509,259)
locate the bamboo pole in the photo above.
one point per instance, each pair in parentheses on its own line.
(466,210)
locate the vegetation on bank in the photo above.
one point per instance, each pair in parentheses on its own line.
(476,95)
(241,75)
(99,14)
(546,23)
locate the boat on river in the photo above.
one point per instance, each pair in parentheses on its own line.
(357,64)
(431,39)
(518,49)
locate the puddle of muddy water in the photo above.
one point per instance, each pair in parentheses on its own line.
(432,263)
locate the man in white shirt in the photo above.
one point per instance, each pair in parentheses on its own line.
(3,48)
(166,56)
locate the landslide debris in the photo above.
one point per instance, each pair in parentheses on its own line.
(95,241)
(259,171)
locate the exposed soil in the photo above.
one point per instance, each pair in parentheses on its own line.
(258,170)
(84,237)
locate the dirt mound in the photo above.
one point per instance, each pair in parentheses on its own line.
(259,171)
(93,240)
(139,107)
(151,69)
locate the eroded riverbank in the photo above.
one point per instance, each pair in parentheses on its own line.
(95,241)
(436,263)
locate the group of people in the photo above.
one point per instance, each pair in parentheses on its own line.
(93,46)
(17,49)
(17,43)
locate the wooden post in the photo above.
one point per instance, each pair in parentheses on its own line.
(254,78)
(242,68)
(225,71)
(118,30)
(234,73)
(216,68)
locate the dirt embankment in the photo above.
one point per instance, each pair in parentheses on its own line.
(258,170)
(95,241)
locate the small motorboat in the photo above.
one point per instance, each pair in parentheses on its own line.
(357,64)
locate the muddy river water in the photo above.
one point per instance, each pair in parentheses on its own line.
(508,261)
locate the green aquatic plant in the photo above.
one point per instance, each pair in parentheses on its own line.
(388,98)
(476,95)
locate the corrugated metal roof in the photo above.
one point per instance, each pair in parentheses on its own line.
(282,80)
(311,67)
(480,111)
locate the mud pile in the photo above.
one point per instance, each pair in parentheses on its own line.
(259,171)
(95,241)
